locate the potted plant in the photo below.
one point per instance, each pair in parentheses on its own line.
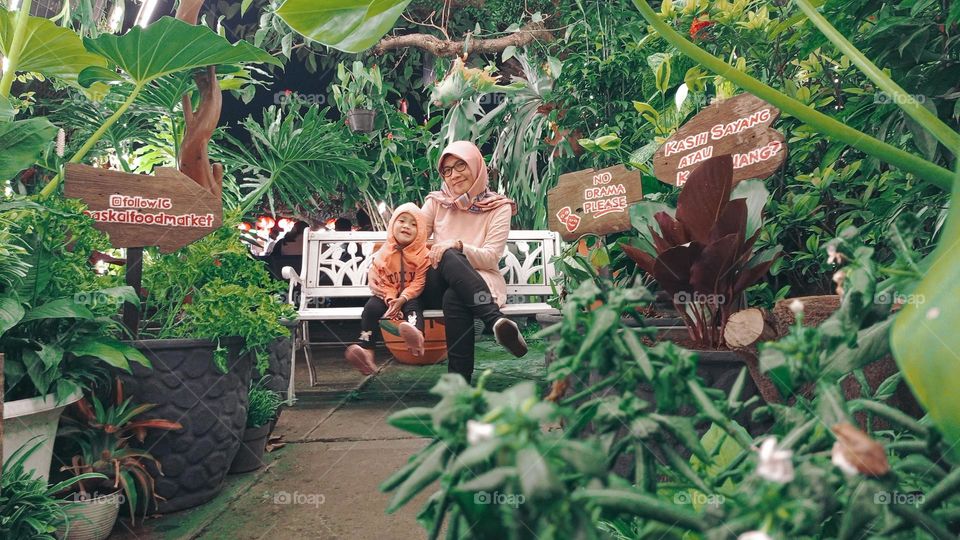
(99,438)
(262,407)
(202,351)
(56,330)
(28,506)
(359,91)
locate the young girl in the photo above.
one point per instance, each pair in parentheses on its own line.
(396,278)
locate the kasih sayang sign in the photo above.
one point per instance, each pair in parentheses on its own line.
(168,210)
(593,202)
(739,126)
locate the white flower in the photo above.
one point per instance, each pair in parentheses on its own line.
(754,535)
(796,306)
(477,432)
(833,256)
(841,461)
(775,464)
(412,319)
(838,277)
(681,95)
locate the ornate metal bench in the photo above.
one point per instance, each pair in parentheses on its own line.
(335,265)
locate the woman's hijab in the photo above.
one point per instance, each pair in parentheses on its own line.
(478,198)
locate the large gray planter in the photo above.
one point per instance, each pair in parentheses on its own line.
(278,367)
(187,387)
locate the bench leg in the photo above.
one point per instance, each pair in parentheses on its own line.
(306,353)
(294,345)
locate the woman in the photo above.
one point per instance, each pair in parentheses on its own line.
(470,225)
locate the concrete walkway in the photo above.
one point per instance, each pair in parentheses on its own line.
(323,483)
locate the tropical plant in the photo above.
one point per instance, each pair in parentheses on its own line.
(100,435)
(295,159)
(358,88)
(29,508)
(703,254)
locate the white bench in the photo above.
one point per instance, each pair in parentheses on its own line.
(344,258)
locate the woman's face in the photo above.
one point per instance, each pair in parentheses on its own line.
(456,174)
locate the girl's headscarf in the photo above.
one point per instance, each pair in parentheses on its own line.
(478,198)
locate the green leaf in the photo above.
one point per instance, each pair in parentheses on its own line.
(167,46)
(49,49)
(756,195)
(536,478)
(924,338)
(103,348)
(50,355)
(490,480)
(475,455)
(11,311)
(348,25)
(508,53)
(427,472)
(21,142)
(416,420)
(62,308)
(556,66)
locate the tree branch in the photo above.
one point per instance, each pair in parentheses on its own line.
(445,48)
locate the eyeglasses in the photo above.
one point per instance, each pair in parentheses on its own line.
(460,166)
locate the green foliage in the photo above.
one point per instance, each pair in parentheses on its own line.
(358,88)
(28,507)
(262,406)
(350,25)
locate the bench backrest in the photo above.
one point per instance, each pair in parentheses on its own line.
(335,263)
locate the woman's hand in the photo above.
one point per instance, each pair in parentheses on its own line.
(395,307)
(436,252)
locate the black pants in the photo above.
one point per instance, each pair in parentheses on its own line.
(457,288)
(372,313)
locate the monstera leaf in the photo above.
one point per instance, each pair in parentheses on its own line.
(167,46)
(49,49)
(21,142)
(349,25)
(924,338)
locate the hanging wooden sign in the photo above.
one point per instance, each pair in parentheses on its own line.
(739,126)
(593,202)
(167,209)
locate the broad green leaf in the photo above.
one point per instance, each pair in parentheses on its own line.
(11,311)
(167,46)
(62,308)
(104,349)
(348,25)
(508,53)
(6,110)
(49,49)
(756,195)
(21,142)
(924,338)
(641,217)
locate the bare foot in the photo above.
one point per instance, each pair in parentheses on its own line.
(413,337)
(361,359)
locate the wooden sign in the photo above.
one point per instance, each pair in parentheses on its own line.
(739,126)
(167,210)
(593,202)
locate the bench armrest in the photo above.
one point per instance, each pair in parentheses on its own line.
(290,274)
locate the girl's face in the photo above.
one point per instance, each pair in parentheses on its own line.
(405,229)
(456,174)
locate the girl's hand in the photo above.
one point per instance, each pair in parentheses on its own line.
(436,252)
(395,307)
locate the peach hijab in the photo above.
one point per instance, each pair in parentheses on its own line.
(478,198)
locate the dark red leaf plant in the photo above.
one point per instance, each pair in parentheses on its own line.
(702,254)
